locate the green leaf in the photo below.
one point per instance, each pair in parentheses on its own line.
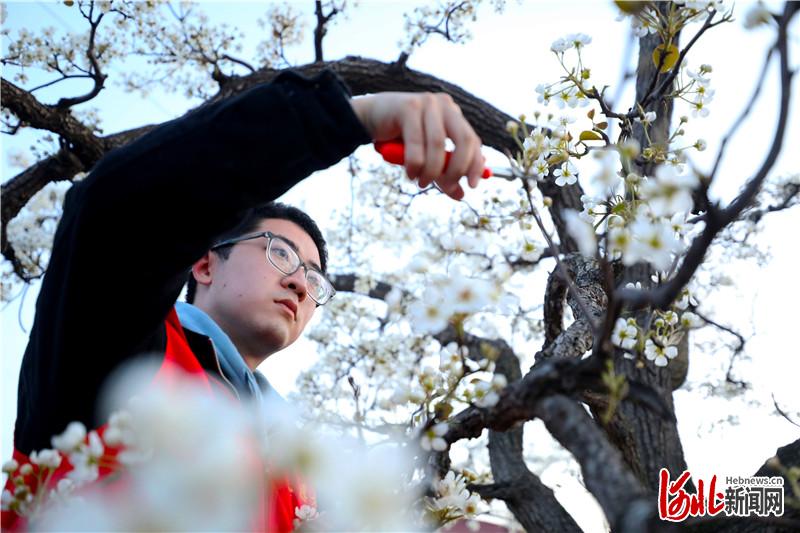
(631,8)
(588,135)
(669,53)
(601,125)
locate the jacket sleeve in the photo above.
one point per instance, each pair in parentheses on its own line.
(147,211)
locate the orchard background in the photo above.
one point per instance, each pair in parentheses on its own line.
(499,334)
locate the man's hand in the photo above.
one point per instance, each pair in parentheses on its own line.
(423,121)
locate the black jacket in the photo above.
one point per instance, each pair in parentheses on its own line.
(131,230)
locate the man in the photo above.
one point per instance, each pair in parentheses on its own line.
(153,209)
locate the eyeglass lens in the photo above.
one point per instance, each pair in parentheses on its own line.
(287,261)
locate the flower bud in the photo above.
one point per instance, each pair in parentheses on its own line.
(9,466)
(633,178)
(630,148)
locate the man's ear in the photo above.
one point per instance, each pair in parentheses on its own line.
(203,268)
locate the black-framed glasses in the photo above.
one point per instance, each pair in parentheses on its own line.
(283,257)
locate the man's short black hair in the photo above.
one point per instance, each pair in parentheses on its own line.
(250,223)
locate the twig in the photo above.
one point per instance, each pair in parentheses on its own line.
(717,325)
(321,30)
(239,62)
(782,412)
(68,77)
(94,72)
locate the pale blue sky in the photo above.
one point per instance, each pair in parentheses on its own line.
(507,58)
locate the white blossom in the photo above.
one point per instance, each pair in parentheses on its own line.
(608,177)
(561,45)
(419,264)
(10,466)
(625,334)
(630,148)
(537,143)
(85,460)
(540,167)
(653,242)
(71,438)
(670,192)
(305,513)
(685,300)
(428,317)
(581,231)
(432,438)
(757,15)
(468,295)
(484,394)
(46,458)
(690,320)
(565,174)
(579,40)
(660,355)
(619,240)
(647,118)
(544,94)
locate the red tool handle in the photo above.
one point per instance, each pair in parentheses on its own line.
(394,152)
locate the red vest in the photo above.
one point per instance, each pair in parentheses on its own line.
(277,513)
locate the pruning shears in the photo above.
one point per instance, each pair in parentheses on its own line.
(395,152)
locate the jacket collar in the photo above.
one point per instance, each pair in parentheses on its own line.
(246,382)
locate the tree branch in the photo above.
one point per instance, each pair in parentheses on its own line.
(623,500)
(554,294)
(322,28)
(588,303)
(84,143)
(94,72)
(17,191)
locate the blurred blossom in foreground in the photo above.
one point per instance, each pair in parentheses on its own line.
(201,461)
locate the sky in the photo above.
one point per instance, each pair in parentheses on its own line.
(506,58)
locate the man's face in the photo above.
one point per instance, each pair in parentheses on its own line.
(261,309)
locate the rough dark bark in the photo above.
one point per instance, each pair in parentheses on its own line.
(82,141)
(554,294)
(623,500)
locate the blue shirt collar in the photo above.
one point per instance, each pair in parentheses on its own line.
(246,382)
